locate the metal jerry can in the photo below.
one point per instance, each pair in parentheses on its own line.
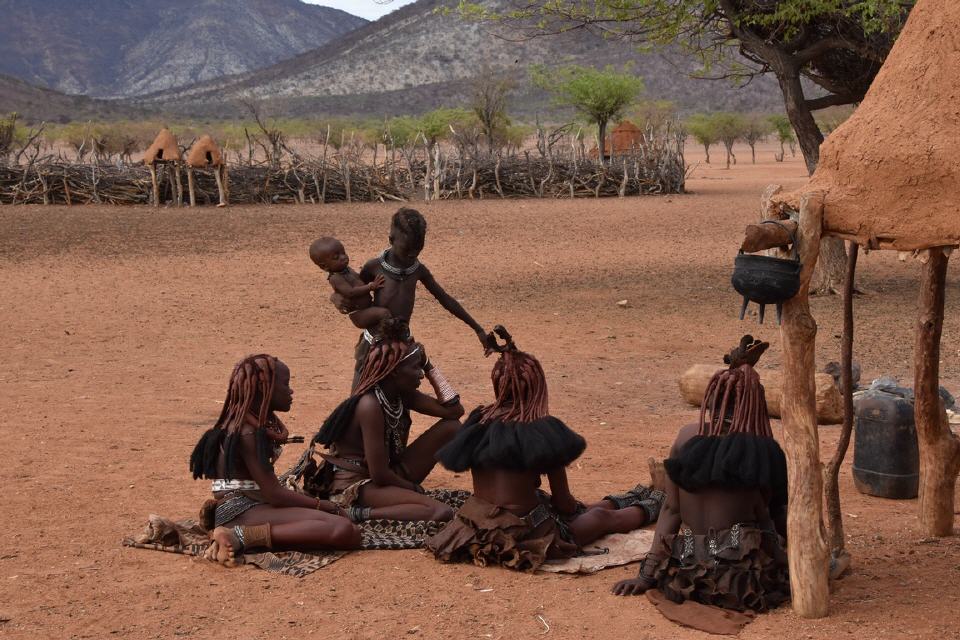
(886,460)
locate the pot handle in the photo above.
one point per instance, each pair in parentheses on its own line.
(793,237)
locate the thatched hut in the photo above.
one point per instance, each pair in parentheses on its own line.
(206,154)
(888,178)
(163,149)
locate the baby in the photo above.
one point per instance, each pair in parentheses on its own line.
(351,295)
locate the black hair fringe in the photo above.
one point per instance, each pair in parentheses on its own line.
(539,446)
(337,422)
(203,460)
(733,461)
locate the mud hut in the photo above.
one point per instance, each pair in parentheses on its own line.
(625,139)
(164,152)
(205,154)
(884,181)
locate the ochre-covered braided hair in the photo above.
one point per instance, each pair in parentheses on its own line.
(252,380)
(519,388)
(384,356)
(741,386)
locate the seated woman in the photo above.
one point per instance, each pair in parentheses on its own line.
(250,508)
(508,446)
(375,473)
(727,487)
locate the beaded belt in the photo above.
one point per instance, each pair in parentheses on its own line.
(221,484)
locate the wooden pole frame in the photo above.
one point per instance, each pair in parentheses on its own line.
(939,448)
(807,543)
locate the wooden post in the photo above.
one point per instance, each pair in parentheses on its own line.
(807,545)
(190,188)
(221,189)
(832,473)
(156,186)
(939,448)
(176,181)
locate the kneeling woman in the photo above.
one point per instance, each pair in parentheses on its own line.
(508,446)
(375,473)
(719,540)
(250,508)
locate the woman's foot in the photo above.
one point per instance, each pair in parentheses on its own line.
(224,547)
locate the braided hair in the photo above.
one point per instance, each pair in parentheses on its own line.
(251,383)
(385,355)
(748,413)
(412,223)
(519,388)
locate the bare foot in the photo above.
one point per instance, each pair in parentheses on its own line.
(221,550)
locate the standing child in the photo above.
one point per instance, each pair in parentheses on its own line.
(508,446)
(400,270)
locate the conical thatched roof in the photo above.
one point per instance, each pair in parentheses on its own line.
(204,153)
(891,173)
(164,147)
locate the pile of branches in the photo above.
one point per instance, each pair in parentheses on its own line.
(526,176)
(49,182)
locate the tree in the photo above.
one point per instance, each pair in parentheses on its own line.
(488,101)
(655,114)
(837,45)
(784,132)
(599,95)
(757,129)
(730,127)
(704,131)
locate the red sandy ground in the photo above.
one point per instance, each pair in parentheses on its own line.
(121,325)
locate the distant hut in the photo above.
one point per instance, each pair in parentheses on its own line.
(625,139)
(164,152)
(205,154)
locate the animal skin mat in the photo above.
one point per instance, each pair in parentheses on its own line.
(186,537)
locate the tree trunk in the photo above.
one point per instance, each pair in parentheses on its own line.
(829,275)
(832,474)
(939,448)
(601,141)
(753,153)
(807,546)
(706,150)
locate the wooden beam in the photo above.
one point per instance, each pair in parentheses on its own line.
(939,448)
(154,184)
(768,235)
(807,546)
(190,187)
(832,473)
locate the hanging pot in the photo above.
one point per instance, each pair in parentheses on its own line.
(766,280)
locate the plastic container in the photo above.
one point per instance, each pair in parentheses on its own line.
(886,460)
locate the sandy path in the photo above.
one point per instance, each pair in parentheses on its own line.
(121,325)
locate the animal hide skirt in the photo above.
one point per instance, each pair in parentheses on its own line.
(486,534)
(740,568)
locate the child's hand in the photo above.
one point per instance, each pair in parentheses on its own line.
(378,282)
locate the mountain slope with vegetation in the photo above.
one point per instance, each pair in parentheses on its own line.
(131,47)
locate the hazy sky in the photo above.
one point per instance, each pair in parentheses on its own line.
(369,9)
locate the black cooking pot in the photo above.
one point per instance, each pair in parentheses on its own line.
(766,280)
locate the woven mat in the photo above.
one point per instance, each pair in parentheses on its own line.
(186,537)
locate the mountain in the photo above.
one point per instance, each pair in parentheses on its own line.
(36,103)
(416,58)
(113,48)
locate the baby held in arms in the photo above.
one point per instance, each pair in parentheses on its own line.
(351,295)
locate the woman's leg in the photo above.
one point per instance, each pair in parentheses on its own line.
(396,503)
(420,456)
(299,528)
(598,522)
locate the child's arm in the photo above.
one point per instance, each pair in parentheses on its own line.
(560,496)
(450,303)
(347,290)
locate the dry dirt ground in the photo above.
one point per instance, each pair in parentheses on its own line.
(120,327)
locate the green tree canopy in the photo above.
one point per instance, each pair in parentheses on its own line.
(599,95)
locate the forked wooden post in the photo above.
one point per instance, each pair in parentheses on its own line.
(190,186)
(155,184)
(221,183)
(939,448)
(807,544)
(176,180)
